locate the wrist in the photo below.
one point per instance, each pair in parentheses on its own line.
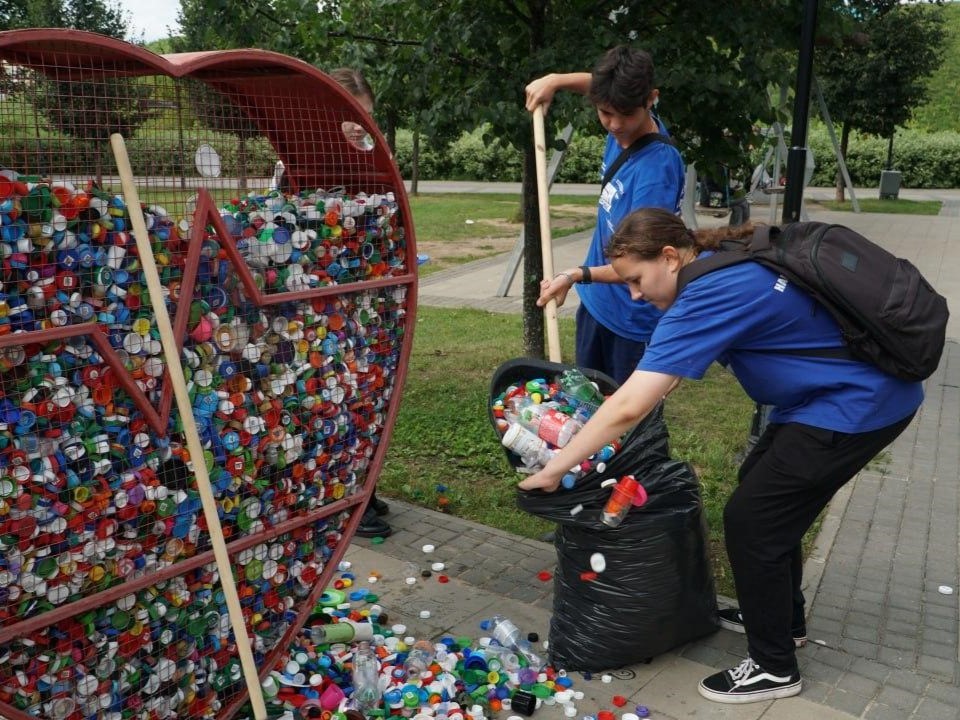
(567,275)
(586,275)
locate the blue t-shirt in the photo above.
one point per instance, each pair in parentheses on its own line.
(652,177)
(733,315)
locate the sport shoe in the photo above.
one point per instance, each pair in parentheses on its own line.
(371,525)
(748,682)
(731,619)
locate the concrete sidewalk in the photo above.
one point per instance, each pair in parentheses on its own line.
(884,634)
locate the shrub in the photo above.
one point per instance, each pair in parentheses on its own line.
(581,163)
(927,160)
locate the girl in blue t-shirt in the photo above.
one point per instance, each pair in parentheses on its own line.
(830,418)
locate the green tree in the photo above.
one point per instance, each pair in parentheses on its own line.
(106,18)
(92,108)
(874,76)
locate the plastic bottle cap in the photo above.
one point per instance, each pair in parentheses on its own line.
(640,496)
(428,548)
(598,562)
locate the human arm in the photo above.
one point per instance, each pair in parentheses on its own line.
(618,413)
(542,90)
(557,287)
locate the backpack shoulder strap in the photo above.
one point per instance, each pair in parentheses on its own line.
(636,146)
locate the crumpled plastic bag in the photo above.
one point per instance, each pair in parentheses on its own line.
(655,591)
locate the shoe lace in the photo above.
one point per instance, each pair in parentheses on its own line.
(743,670)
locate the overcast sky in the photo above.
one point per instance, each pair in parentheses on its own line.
(152,17)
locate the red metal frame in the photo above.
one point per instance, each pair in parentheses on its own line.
(257,80)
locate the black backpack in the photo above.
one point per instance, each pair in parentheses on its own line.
(888,313)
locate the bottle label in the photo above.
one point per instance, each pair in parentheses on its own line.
(551,425)
(523,442)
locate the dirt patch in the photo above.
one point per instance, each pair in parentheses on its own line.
(493,237)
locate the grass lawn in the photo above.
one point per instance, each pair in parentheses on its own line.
(443,438)
(458,228)
(894,207)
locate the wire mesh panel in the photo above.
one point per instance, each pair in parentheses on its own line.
(291,290)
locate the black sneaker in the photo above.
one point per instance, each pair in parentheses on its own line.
(373,526)
(748,682)
(731,619)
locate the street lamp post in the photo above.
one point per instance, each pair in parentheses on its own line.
(797,154)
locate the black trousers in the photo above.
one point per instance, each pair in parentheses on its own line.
(785,482)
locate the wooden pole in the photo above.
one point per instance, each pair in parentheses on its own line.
(185,407)
(546,242)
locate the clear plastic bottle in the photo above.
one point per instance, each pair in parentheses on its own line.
(577,388)
(532,450)
(508,635)
(549,423)
(499,657)
(366,679)
(418,659)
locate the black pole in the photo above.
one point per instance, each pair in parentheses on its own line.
(797,155)
(890,152)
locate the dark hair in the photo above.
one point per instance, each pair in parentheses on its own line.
(622,79)
(353,82)
(644,233)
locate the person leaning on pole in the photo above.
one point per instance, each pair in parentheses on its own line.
(612,331)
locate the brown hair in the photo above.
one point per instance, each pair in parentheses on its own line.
(353,82)
(644,233)
(623,79)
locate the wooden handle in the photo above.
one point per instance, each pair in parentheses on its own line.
(185,408)
(546,241)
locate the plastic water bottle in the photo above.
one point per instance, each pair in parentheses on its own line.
(580,391)
(532,450)
(548,423)
(418,659)
(366,679)
(499,657)
(508,635)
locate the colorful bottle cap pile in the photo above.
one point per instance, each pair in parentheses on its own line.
(290,373)
(469,678)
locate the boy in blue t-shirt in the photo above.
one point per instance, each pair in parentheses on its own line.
(830,417)
(612,330)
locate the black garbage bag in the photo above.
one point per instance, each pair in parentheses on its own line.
(655,591)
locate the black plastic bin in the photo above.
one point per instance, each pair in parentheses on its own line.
(656,591)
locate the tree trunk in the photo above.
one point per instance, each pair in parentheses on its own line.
(391,133)
(533,324)
(844,142)
(415,164)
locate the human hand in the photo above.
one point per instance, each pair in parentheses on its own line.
(555,289)
(543,480)
(540,92)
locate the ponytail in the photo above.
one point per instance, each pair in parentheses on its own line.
(644,233)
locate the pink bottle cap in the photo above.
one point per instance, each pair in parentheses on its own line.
(640,496)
